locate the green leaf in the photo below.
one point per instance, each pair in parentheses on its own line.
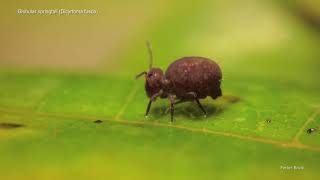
(59,138)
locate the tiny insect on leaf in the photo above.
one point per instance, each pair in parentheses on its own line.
(186,79)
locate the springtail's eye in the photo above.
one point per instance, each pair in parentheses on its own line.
(149,74)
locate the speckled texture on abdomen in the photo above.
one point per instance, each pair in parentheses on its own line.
(194,74)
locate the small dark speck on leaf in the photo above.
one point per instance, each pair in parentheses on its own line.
(268,120)
(5,125)
(97,121)
(311,130)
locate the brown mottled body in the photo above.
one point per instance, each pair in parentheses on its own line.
(186,79)
(194,74)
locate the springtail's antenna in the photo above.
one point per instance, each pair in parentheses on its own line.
(150,61)
(140,74)
(150,54)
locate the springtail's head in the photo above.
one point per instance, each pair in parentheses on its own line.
(153,77)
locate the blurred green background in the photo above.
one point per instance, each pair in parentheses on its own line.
(60,73)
